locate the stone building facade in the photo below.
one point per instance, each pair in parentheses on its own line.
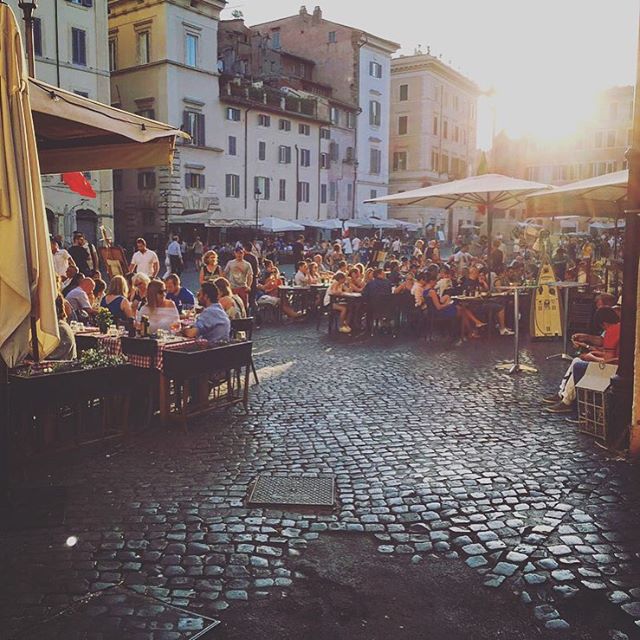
(164,66)
(433,133)
(356,65)
(289,144)
(70,43)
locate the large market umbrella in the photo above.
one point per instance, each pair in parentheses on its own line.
(331,224)
(27,284)
(491,191)
(272,224)
(602,196)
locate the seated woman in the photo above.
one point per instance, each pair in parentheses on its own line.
(270,280)
(66,349)
(229,301)
(475,283)
(445,308)
(314,273)
(99,288)
(604,349)
(339,286)
(162,313)
(355,280)
(116,300)
(138,290)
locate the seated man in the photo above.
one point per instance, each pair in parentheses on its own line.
(81,298)
(213,324)
(602,349)
(301,279)
(178,294)
(378,286)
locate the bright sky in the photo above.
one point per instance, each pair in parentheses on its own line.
(544,58)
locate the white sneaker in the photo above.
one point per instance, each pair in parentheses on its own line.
(344,329)
(506,332)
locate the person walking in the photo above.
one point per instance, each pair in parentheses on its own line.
(174,251)
(144,260)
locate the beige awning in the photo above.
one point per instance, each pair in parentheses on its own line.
(201,217)
(77,134)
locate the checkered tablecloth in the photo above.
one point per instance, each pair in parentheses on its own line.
(113,347)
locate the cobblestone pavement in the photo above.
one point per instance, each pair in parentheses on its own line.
(434,452)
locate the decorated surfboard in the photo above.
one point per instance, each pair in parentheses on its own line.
(546,311)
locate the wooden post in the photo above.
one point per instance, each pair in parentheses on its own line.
(622,382)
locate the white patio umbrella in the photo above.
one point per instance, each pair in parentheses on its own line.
(602,196)
(491,190)
(28,320)
(272,224)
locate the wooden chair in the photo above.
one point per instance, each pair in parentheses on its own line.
(383,308)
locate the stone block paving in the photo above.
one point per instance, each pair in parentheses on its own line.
(433,451)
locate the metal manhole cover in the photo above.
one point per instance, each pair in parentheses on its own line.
(293,490)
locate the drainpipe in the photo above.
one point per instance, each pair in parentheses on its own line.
(297,180)
(55,9)
(246,157)
(319,169)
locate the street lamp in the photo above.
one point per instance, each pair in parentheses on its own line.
(28,7)
(256,194)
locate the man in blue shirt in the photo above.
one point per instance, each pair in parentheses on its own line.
(378,286)
(213,324)
(177,293)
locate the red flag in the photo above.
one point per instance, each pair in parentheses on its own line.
(78,183)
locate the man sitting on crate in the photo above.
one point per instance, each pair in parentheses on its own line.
(599,349)
(213,324)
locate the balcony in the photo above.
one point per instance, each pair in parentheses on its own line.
(240,92)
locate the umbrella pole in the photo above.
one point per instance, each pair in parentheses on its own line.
(489,227)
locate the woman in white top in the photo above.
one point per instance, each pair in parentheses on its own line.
(162,313)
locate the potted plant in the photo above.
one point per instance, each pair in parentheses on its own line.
(104,319)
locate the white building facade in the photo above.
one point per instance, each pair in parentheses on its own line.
(432,134)
(164,66)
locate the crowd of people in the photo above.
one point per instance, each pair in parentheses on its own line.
(245,278)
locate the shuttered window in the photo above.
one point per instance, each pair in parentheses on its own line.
(193,124)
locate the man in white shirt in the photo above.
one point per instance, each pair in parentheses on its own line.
(301,279)
(62,259)
(80,297)
(144,260)
(463,258)
(347,247)
(396,246)
(174,251)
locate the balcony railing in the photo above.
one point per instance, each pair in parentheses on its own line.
(274,99)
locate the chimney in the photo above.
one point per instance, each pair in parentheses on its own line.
(303,11)
(317,15)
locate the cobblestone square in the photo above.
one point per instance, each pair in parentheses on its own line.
(435,454)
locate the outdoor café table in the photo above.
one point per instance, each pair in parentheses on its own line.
(143,353)
(299,298)
(470,301)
